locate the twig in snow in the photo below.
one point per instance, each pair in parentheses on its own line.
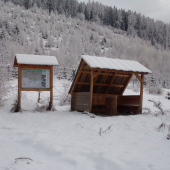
(158,105)
(79,125)
(105,131)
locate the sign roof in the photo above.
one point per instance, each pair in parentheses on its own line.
(36,59)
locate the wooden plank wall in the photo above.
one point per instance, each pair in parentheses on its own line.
(128,100)
(99,99)
(80,101)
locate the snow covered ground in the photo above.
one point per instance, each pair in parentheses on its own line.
(64,140)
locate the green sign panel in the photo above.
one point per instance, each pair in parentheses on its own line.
(35,78)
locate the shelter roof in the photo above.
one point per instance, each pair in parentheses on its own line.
(115,64)
(35,59)
(110,76)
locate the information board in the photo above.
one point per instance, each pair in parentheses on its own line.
(35,78)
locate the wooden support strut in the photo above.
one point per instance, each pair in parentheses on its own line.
(98,73)
(138,77)
(141,93)
(91,92)
(19,88)
(78,76)
(51,88)
(127,83)
(98,84)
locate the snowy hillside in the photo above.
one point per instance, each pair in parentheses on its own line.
(60,139)
(36,31)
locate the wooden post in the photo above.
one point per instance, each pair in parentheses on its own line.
(141,93)
(91,92)
(19,88)
(51,87)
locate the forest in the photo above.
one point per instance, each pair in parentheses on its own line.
(132,22)
(68,29)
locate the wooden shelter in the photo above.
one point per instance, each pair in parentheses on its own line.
(100,82)
(35,73)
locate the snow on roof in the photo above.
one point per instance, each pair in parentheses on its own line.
(36,59)
(114,64)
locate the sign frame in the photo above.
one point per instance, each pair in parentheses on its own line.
(39,67)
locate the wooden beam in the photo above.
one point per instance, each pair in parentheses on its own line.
(110,83)
(34,89)
(89,72)
(98,84)
(119,71)
(127,83)
(98,73)
(107,74)
(115,85)
(19,87)
(35,66)
(138,77)
(121,75)
(78,75)
(91,92)
(141,93)
(96,93)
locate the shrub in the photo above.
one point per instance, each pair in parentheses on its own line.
(65,98)
(15,106)
(162,114)
(41,107)
(156,90)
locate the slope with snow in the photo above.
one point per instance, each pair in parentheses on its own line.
(65,140)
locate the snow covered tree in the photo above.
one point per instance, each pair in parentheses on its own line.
(4,71)
(50,41)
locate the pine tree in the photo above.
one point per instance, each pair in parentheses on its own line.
(152,81)
(87,13)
